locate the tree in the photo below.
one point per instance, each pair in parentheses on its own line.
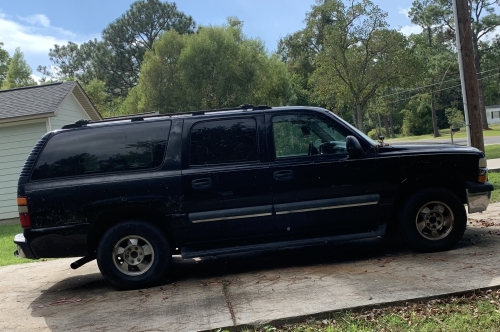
(272,84)
(4,63)
(217,67)
(490,56)
(73,61)
(298,51)
(359,55)
(96,91)
(421,14)
(161,85)
(116,60)
(128,38)
(18,72)
(417,116)
(437,72)
(455,117)
(484,20)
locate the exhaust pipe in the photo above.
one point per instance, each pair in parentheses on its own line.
(82,261)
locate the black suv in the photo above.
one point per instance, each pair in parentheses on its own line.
(132,192)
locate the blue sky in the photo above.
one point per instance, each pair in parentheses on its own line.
(35,26)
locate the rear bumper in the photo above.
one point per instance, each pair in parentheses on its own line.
(53,242)
(23,248)
(478,196)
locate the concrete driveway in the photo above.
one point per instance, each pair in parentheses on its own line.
(249,289)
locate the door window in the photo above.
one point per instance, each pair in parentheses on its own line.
(298,135)
(224,141)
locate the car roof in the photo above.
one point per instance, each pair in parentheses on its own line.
(203,114)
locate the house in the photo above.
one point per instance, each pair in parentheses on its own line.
(26,114)
(493,114)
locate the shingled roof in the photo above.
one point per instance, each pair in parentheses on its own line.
(41,101)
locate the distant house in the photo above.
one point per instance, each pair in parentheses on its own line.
(26,114)
(493,114)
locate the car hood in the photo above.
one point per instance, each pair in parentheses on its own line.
(428,148)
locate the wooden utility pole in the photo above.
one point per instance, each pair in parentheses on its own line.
(468,73)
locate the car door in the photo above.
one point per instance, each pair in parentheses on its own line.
(225,179)
(317,189)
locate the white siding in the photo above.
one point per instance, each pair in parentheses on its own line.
(70,111)
(493,114)
(16,143)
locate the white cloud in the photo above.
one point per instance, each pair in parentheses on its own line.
(36,78)
(37,19)
(36,37)
(493,34)
(404,11)
(410,29)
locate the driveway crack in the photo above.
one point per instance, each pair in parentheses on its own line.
(227,297)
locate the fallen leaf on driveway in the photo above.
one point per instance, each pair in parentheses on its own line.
(58,302)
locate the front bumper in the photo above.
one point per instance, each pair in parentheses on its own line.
(23,248)
(478,196)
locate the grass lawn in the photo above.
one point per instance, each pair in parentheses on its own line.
(494,179)
(445,133)
(492,151)
(7,246)
(476,312)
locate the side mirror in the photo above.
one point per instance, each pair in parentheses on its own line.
(353,147)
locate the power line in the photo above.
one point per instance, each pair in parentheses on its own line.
(448,88)
(427,86)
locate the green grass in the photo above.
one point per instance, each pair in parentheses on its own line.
(494,178)
(7,245)
(492,151)
(445,134)
(476,312)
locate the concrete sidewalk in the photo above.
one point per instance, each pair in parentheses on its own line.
(494,164)
(253,289)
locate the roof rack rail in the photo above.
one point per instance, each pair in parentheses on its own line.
(141,117)
(79,123)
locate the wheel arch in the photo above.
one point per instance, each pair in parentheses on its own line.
(452,182)
(111,217)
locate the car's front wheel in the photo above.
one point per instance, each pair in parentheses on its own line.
(433,219)
(133,254)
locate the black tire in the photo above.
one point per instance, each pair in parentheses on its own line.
(133,254)
(433,219)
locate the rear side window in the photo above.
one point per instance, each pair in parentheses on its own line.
(223,141)
(103,150)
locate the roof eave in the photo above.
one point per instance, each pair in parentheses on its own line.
(27,117)
(85,102)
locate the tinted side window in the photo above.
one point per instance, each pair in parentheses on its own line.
(103,150)
(223,141)
(305,135)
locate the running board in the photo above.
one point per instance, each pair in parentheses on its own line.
(190,252)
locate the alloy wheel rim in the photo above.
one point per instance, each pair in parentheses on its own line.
(434,220)
(133,255)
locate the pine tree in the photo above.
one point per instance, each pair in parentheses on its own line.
(18,72)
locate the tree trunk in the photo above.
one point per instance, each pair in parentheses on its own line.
(391,119)
(477,62)
(433,111)
(469,71)
(354,119)
(386,125)
(359,111)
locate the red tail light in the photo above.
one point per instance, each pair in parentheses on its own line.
(24,215)
(25,220)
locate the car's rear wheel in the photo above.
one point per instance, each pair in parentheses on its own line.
(133,254)
(433,219)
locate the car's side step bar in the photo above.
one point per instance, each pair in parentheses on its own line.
(190,252)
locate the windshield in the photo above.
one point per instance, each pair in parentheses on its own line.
(360,133)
